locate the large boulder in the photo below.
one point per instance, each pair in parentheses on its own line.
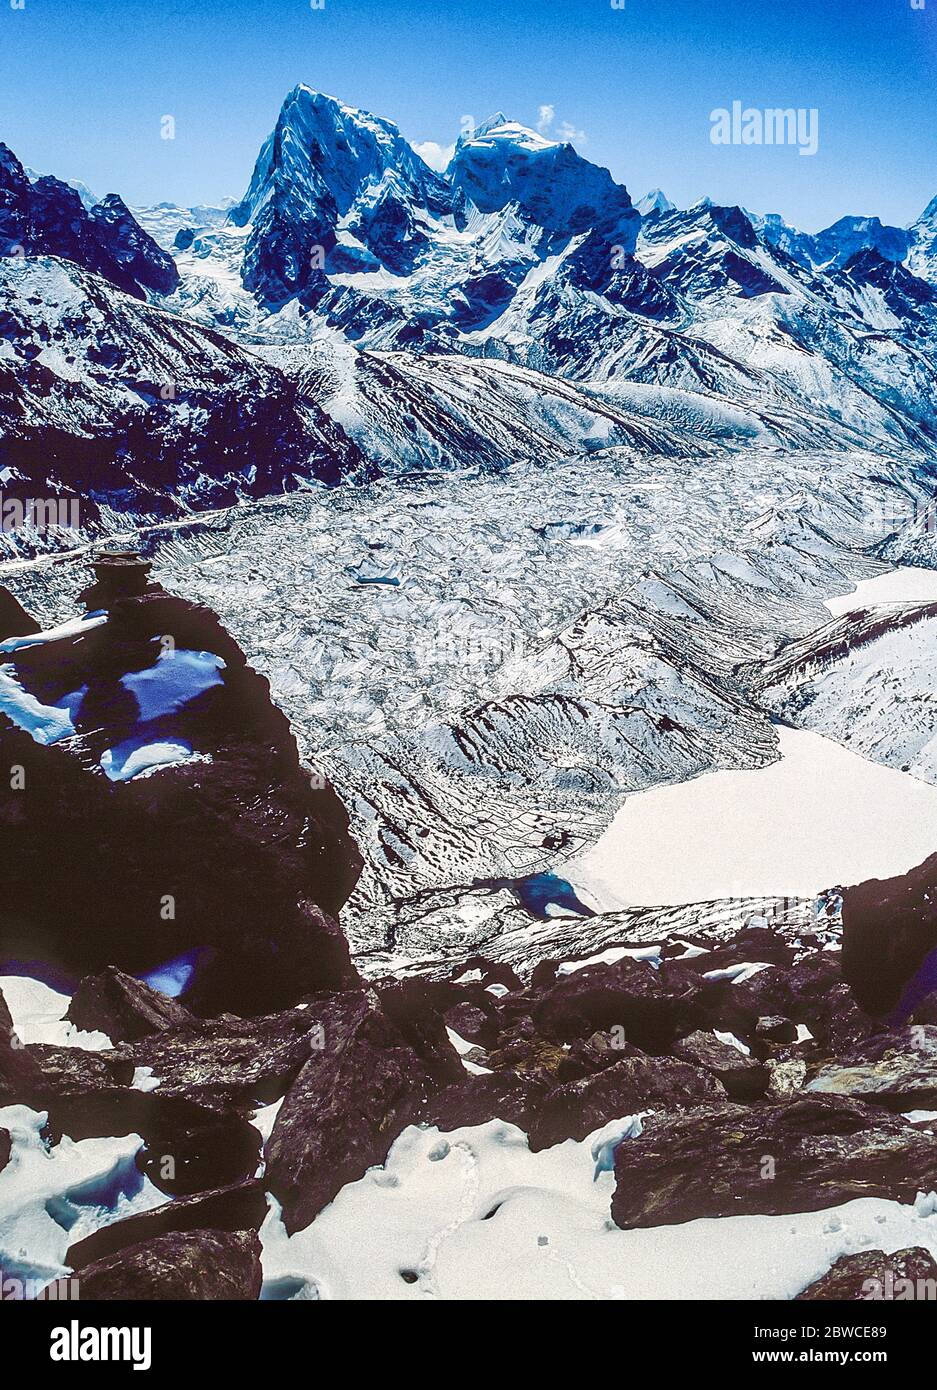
(348,1104)
(204,1265)
(812,992)
(125,1009)
(227,1061)
(806,1154)
(897,1070)
(240,1207)
(162,816)
(889,931)
(871,1275)
(742,1076)
(631,1085)
(475,1100)
(652,1007)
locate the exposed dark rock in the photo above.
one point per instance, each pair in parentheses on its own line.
(122,1007)
(187,1147)
(492,972)
(228,1061)
(6,1145)
(14,620)
(589,1055)
(752,944)
(20,1074)
(6,1018)
(806,1154)
(416,1009)
(473,1024)
(182,1161)
(204,1265)
(72,1070)
(742,1077)
(635,1083)
(478,1099)
(811,992)
(346,1107)
(653,1007)
(774,1028)
(897,1070)
(230,865)
(154,416)
(522,1050)
(48,218)
(241,1207)
(889,930)
(871,1275)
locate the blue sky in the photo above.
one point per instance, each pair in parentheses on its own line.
(84,85)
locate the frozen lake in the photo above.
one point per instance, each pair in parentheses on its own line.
(820,816)
(909,584)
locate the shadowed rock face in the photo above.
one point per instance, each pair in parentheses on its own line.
(889,930)
(47,218)
(228,863)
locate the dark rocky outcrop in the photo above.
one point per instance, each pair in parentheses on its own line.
(742,1077)
(141,412)
(6,1147)
(654,1007)
(125,1009)
(633,1084)
(348,1104)
(812,992)
(231,865)
(897,1070)
(6,1018)
(241,1207)
(228,1061)
(872,1276)
(889,932)
(73,1071)
(775,1029)
(48,218)
(204,1265)
(478,1099)
(803,1155)
(14,620)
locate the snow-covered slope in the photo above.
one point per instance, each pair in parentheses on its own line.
(867,680)
(128,408)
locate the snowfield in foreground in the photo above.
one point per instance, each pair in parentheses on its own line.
(475,1215)
(818,817)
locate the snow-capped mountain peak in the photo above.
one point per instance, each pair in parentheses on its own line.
(327,164)
(321,148)
(499,128)
(654,203)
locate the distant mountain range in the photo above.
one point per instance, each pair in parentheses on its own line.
(282,321)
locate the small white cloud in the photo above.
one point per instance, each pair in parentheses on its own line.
(546,117)
(569,133)
(436,156)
